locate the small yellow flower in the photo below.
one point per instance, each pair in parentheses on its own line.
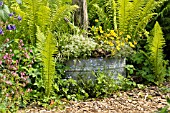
(121,33)
(131,45)
(118,48)
(135,43)
(110,43)
(101,31)
(108,35)
(126,39)
(122,44)
(97,29)
(118,37)
(128,36)
(106,42)
(112,32)
(96,20)
(112,38)
(113,52)
(117,42)
(92,27)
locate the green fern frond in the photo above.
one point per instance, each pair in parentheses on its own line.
(133,16)
(103,17)
(156,58)
(46,46)
(122,14)
(40,39)
(48,63)
(59,15)
(43,17)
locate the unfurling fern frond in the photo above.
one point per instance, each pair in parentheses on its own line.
(157,57)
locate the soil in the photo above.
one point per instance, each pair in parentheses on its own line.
(147,100)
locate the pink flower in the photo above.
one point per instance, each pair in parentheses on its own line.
(5,57)
(0,62)
(30,50)
(8,82)
(7,95)
(22,73)
(29,90)
(26,55)
(20,41)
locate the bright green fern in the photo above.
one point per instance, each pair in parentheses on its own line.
(157,57)
(129,17)
(46,45)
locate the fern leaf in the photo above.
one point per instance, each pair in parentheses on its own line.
(48,62)
(40,39)
(43,17)
(122,14)
(156,48)
(59,15)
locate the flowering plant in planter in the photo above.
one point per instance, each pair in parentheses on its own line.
(76,46)
(111,43)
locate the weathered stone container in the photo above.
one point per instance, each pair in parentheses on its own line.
(86,67)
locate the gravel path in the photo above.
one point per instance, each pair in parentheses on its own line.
(147,100)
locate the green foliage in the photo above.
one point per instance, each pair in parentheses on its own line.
(150,62)
(46,46)
(40,21)
(75,46)
(40,13)
(4,13)
(15,66)
(134,16)
(156,54)
(102,10)
(48,62)
(128,17)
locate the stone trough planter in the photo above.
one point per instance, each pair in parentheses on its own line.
(86,67)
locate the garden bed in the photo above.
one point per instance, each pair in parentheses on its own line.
(145,100)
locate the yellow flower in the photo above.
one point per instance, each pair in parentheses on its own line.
(113,52)
(112,38)
(92,27)
(96,20)
(126,39)
(110,43)
(118,37)
(128,36)
(122,44)
(117,42)
(108,35)
(118,48)
(112,32)
(101,31)
(134,42)
(106,42)
(97,29)
(131,45)
(121,33)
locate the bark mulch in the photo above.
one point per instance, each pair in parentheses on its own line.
(147,100)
